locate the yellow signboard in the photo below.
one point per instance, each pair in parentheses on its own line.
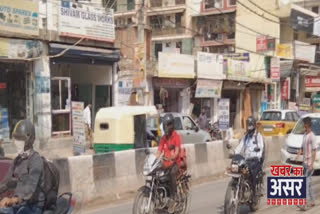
(284,51)
(19,16)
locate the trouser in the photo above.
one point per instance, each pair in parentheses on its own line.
(89,135)
(174,170)
(21,210)
(308,175)
(255,168)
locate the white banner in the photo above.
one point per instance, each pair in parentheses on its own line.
(305,51)
(224,114)
(210,66)
(78,128)
(173,65)
(86,22)
(208,88)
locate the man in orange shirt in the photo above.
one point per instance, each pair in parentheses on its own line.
(170,145)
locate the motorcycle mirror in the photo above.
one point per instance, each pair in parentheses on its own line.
(257,149)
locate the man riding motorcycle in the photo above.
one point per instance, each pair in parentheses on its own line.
(251,148)
(26,176)
(170,145)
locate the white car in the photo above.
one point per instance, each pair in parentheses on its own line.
(293,142)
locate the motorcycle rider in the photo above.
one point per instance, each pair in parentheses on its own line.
(26,175)
(170,145)
(251,148)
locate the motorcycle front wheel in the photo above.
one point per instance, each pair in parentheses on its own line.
(231,205)
(186,199)
(141,202)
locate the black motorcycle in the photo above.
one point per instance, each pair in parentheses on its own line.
(240,190)
(154,196)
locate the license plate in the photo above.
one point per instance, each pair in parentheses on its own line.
(267,129)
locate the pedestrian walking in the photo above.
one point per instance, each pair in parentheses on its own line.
(308,150)
(203,119)
(87,122)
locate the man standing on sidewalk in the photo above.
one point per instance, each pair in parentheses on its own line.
(87,122)
(308,150)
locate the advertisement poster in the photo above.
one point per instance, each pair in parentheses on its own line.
(275,69)
(285,90)
(262,44)
(19,49)
(208,89)
(224,114)
(124,91)
(301,21)
(92,23)
(284,51)
(78,128)
(19,16)
(239,69)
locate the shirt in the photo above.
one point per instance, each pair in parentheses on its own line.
(203,121)
(248,144)
(308,145)
(164,147)
(87,116)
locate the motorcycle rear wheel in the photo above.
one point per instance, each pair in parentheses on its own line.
(230,205)
(141,202)
(187,199)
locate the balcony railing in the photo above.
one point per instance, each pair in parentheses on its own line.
(167,31)
(160,3)
(156,3)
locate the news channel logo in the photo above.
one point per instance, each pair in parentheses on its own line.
(287,186)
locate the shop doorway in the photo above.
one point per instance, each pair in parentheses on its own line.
(12,96)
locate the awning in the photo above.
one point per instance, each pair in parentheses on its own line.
(165,11)
(249,80)
(84,55)
(214,12)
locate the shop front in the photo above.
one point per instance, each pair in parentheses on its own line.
(83,74)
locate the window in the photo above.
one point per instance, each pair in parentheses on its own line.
(188,123)
(299,129)
(232,2)
(157,49)
(315,9)
(231,35)
(295,116)
(156,22)
(219,36)
(178,19)
(210,4)
(271,115)
(131,5)
(288,117)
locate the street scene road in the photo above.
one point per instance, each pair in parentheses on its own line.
(208,198)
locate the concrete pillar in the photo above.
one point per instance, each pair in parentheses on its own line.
(115,84)
(42,98)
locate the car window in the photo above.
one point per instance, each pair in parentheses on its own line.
(295,116)
(288,116)
(152,122)
(188,123)
(177,123)
(299,129)
(271,115)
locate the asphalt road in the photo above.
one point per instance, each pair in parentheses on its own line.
(208,198)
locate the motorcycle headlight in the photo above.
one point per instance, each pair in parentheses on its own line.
(234,168)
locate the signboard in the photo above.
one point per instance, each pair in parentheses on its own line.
(305,52)
(19,16)
(301,21)
(78,128)
(237,56)
(262,44)
(210,66)
(208,89)
(316,26)
(284,51)
(312,81)
(176,66)
(171,83)
(285,90)
(224,114)
(271,44)
(91,22)
(238,68)
(286,68)
(275,69)
(124,91)
(19,49)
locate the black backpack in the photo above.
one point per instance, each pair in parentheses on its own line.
(51,184)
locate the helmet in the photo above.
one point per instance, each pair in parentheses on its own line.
(251,124)
(168,119)
(24,131)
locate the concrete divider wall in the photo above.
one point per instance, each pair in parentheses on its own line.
(110,175)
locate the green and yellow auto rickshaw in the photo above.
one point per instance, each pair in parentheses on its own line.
(125,127)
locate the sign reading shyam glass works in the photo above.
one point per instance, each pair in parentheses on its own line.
(86,22)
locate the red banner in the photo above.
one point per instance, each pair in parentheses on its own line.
(262,44)
(285,90)
(311,81)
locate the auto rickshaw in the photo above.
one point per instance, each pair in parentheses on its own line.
(125,127)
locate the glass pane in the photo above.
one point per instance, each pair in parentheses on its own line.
(65,94)
(271,116)
(60,122)
(55,95)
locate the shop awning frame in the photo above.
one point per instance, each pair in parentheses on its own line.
(84,55)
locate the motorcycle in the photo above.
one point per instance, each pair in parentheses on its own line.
(154,196)
(214,131)
(65,202)
(240,191)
